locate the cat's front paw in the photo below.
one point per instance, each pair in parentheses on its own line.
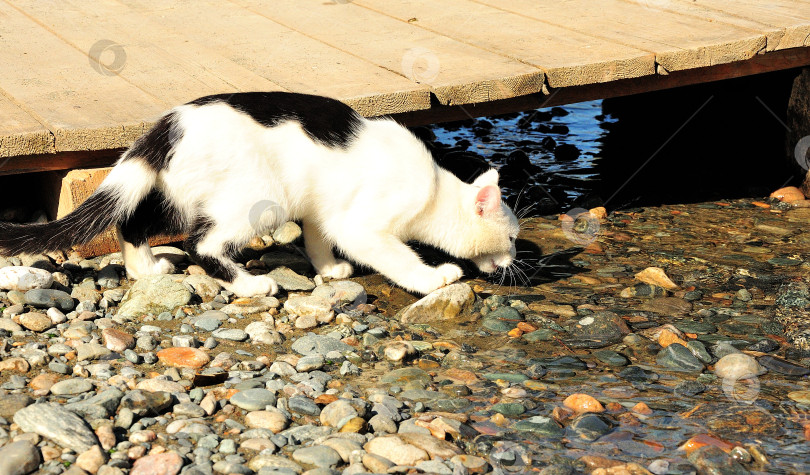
(253,286)
(339,270)
(163,266)
(443,275)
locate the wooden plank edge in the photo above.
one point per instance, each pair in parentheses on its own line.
(759,64)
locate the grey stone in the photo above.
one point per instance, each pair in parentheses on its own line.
(232,334)
(677,357)
(101,406)
(58,424)
(310,363)
(91,351)
(253,399)
(445,303)
(154,294)
(19,458)
(204,286)
(312,343)
(288,279)
(72,386)
(303,405)
(47,298)
(143,403)
(319,455)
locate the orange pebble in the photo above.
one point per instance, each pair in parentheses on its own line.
(642,408)
(583,403)
(515,332)
(761,204)
(702,440)
(666,338)
(788,194)
(614,407)
(526,327)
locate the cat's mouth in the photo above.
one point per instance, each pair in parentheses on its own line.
(489,265)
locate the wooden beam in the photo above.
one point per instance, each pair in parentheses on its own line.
(763,63)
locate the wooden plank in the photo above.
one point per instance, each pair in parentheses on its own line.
(785,23)
(83,109)
(776,61)
(58,161)
(20,134)
(679,42)
(568,58)
(417,54)
(286,57)
(173,70)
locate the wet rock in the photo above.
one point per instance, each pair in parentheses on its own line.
(658,277)
(288,279)
(788,194)
(19,458)
(47,298)
(781,366)
(611,358)
(23,279)
(738,366)
(590,426)
(802,397)
(154,294)
(445,303)
(58,424)
(793,294)
(541,426)
(669,306)
(746,419)
(677,357)
(689,388)
(637,374)
(711,459)
(598,330)
(582,403)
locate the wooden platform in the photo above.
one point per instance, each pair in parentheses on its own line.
(81,80)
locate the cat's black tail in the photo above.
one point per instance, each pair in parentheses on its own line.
(127,185)
(92,217)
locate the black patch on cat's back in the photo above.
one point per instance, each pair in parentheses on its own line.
(326,121)
(155,147)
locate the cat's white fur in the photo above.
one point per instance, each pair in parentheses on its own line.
(368,199)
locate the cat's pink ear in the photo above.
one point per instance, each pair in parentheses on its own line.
(490,177)
(487,200)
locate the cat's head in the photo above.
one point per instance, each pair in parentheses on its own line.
(494,227)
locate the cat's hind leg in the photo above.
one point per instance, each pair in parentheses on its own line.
(153,217)
(213,248)
(319,250)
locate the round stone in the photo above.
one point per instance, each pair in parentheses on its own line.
(271,420)
(35,321)
(23,279)
(253,399)
(72,386)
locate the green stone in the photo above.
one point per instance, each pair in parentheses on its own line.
(700,328)
(784,261)
(611,358)
(498,325)
(542,334)
(509,409)
(541,426)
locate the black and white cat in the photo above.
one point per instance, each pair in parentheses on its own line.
(223,168)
